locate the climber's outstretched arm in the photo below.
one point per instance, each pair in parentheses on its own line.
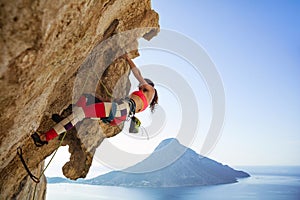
(136,72)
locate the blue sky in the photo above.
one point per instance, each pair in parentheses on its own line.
(255,46)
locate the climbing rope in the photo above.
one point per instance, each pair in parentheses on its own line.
(20,154)
(33,177)
(104,86)
(60,143)
(144,130)
(106,90)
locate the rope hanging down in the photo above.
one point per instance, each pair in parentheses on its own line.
(33,177)
(20,154)
(60,143)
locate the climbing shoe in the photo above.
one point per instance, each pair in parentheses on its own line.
(37,140)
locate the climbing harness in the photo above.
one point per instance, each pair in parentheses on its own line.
(20,154)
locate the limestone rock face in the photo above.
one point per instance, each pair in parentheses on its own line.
(52,52)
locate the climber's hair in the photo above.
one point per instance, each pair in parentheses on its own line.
(155,98)
(154,101)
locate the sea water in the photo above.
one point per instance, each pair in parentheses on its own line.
(261,185)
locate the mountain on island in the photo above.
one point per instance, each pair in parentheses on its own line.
(176,165)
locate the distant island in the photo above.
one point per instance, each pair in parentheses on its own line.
(190,169)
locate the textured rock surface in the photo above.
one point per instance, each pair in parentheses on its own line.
(51,52)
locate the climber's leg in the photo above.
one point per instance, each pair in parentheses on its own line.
(66,124)
(115,113)
(94,111)
(93,107)
(97,110)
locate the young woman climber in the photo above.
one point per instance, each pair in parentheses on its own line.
(114,113)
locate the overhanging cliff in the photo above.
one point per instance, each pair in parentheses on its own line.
(50,51)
